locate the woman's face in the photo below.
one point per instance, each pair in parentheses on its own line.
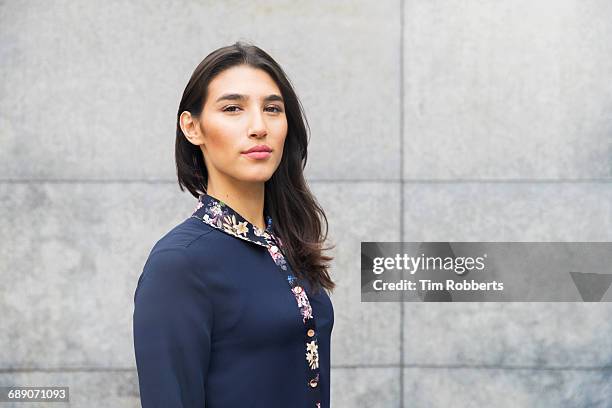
(244,109)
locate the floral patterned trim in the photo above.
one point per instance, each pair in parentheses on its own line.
(219,215)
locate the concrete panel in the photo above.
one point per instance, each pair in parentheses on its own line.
(520,388)
(507,90)
(75,251)
(91,90)
(70,261)
(536,335)
(365,387)
(508,212)
(525,334)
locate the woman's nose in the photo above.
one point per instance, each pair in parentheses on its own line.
(257,125)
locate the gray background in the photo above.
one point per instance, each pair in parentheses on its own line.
(431,121)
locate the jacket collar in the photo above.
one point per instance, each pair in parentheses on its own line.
(219,215)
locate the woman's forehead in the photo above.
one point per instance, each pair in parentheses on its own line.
(243,80)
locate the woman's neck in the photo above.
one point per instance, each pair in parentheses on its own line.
(247,199)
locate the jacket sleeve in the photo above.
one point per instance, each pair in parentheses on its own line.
(172,325)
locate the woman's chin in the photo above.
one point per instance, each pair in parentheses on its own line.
(258,177)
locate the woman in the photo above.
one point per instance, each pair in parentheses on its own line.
(231,308)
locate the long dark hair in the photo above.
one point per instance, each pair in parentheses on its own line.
(298,216)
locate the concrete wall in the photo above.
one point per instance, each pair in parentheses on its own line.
(431,120)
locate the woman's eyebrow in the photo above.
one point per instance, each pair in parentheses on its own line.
(274,97)
(240,97)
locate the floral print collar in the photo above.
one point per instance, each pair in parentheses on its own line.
(220,215)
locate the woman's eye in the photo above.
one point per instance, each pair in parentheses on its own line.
(234,108)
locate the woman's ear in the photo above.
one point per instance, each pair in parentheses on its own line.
(191,128)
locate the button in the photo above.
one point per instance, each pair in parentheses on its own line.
(313,383)
(310,333)
(297,289)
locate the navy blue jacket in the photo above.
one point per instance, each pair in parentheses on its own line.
(221,321)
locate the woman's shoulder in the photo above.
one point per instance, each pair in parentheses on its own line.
(184,234)
(177,254)
(189,239)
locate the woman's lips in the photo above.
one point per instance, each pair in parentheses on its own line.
(258,155)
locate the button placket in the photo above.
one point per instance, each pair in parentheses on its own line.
(310,334)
